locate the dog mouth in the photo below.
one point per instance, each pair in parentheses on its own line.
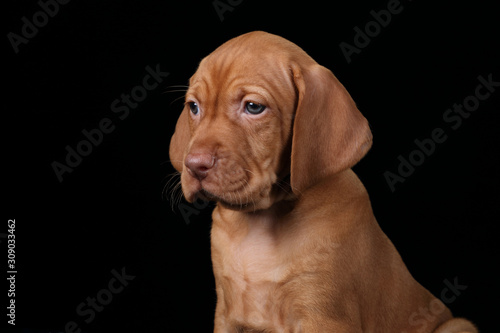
(206,195)
(248,193)
(234,200)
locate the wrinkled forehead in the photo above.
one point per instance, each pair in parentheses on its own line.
(238,72)
(253,61)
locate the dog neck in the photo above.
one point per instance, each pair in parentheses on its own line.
(334,194)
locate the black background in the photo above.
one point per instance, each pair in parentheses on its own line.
(111,211)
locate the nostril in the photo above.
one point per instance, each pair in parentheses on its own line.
(199,164)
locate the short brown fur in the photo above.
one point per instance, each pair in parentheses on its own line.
(295,244)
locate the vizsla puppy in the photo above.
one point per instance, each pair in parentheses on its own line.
(271,136)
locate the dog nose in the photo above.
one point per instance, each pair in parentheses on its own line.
(199,164)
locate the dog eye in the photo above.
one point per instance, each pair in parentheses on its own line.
(194,108)
(254,108)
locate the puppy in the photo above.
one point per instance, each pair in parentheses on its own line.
(271,136)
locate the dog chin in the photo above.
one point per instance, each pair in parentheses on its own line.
(239,205)
(247,199)
(250,204)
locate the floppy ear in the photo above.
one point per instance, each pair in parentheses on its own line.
(329,133)
(180,140)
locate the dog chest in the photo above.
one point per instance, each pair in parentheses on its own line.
(250,269)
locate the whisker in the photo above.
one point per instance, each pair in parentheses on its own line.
(231,195)
(175,189)
(179,194)
(245,187)
(172,190)
(178,98)
(248,170)
(172,177)
(248,185)
(174,195)
(168,182)
(167,161)
(241,199)
(176,90)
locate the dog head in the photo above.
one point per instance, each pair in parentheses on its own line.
(263,121)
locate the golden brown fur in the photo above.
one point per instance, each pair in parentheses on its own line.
(295,244)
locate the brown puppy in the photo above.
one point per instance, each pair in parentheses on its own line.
(271,136)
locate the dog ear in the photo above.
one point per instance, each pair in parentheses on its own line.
(329,133)
(180,140)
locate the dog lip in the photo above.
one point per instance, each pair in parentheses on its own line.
(206,195)
(209,196)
